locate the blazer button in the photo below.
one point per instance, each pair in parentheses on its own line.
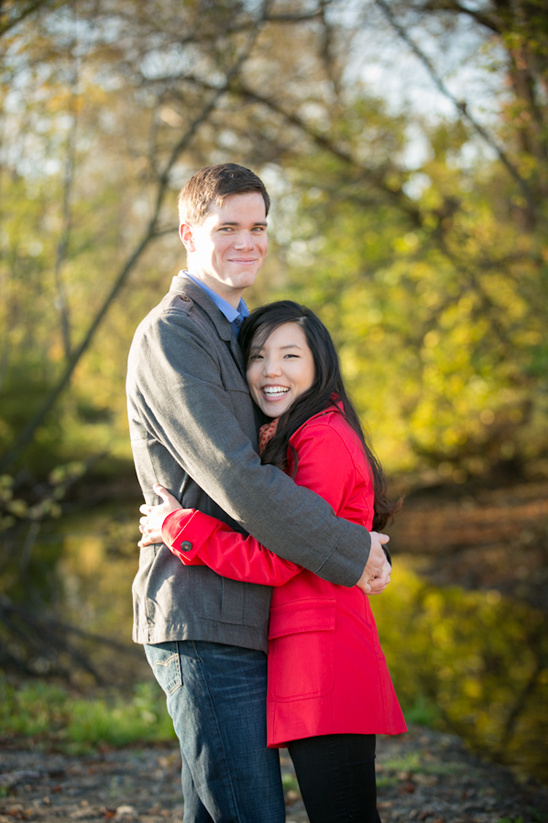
(186,546)
(185,298)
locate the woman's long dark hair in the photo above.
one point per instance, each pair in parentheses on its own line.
(325,392)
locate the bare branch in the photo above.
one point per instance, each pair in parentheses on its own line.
(151,232)
(478,15)
(22,11)
(62,246)
(459,105)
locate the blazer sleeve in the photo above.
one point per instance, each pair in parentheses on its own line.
(199,539)
(325,463)
(176,386)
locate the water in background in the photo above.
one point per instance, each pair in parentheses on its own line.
(472,662)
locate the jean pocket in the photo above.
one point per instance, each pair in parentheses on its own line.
(165,663)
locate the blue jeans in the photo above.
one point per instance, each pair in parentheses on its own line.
(216,697)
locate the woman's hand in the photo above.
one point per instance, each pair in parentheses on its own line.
(150,525)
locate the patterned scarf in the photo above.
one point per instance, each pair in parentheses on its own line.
(266,433)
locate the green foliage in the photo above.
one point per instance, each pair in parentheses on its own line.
(52,714)
(477,659)
(290,783)
(424,253)
(422,711)
(438,319)
(23,504)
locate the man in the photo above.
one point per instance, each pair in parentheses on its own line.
(194,429)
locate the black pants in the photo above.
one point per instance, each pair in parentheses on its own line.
(336,774)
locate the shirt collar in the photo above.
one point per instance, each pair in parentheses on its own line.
(234,316)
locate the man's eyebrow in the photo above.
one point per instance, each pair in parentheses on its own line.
(231,223)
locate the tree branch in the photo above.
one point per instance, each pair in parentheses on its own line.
(459,105)
(7,23)
(27,435)
(323,141)
(70,164)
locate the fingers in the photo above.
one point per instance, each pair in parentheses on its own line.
(378,586)
(147,540)
(166,496)
(169,500)
(161,491)
(150,522)
(151,535)
(364,585)
(381,581)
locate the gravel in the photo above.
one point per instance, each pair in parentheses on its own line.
(422,776)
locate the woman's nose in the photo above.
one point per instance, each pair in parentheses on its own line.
(271,366)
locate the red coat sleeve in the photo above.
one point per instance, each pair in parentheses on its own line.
(330,462)
(199,539)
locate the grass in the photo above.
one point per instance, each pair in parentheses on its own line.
(422,712)
(290,784)
(53,715)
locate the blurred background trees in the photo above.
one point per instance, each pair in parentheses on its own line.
(405,146)
(406,149)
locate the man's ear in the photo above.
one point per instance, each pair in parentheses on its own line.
(187,236)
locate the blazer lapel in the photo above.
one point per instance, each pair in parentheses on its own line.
(184,285)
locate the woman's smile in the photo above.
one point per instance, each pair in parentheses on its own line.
(274,392)
(281,371)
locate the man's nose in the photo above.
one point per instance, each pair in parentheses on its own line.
(244,240)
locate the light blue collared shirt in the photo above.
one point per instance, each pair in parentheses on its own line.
(234,316)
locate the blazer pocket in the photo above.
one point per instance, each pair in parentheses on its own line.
(301,650)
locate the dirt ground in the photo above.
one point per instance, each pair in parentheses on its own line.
(422,776)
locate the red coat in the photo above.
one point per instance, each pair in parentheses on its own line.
(326,670)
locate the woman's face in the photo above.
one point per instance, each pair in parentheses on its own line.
(279,372)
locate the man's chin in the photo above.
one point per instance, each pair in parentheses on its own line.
(243,279)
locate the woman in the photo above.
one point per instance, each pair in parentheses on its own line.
(329,690)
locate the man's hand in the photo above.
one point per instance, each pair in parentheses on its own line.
(376,575)
(379,584)
(150,525)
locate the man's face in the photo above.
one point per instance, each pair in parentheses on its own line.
(228,248)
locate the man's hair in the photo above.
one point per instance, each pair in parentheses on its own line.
(214,184)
